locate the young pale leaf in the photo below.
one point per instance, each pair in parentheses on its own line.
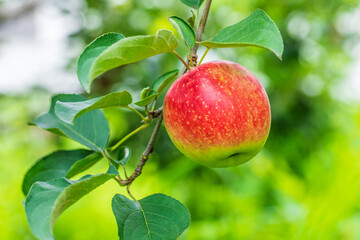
(256,30)
(83,130)
(185,30)
(144,93)
(160,83)
(47,200)
(146,101)
(54,165)
(90,54)
(193,3)
(69,111)
(129,50)
(155,217)
(191,20)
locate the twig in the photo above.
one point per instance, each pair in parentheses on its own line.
(158,113)
(182,60)
(128,190)
(145,156)
(202,24)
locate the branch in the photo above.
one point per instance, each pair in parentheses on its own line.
(145,156)
(158,113)
(202,24)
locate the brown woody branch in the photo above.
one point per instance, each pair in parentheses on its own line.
(158,113)
(201,28)
(145,156)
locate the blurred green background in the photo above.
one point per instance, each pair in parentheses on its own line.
(305,183)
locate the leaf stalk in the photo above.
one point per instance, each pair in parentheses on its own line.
(182,60)
(137,112)
(118,144)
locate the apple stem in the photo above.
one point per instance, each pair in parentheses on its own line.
(203,56)
(182,60)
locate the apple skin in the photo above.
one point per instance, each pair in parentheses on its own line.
(217,114)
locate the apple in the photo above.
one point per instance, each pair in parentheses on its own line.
(217,114)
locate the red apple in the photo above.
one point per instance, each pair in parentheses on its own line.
(217,114)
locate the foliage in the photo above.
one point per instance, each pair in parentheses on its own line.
(156,216)
(47,199)
(82,130)
(124,51)
(185,31)
(256,30)
(68,111)
(52,166)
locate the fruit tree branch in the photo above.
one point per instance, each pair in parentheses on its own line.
(201,27)
(145,156)
(158,113)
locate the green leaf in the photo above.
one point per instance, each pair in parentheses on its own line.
(193,3)
(256,30)
(160,84)
(69,111)
(129,50)
(90,129)
(122,156)
(91,53)
(155,217)
(83,164)
(54,165)
(47,200)
(185,31)
(146,101)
